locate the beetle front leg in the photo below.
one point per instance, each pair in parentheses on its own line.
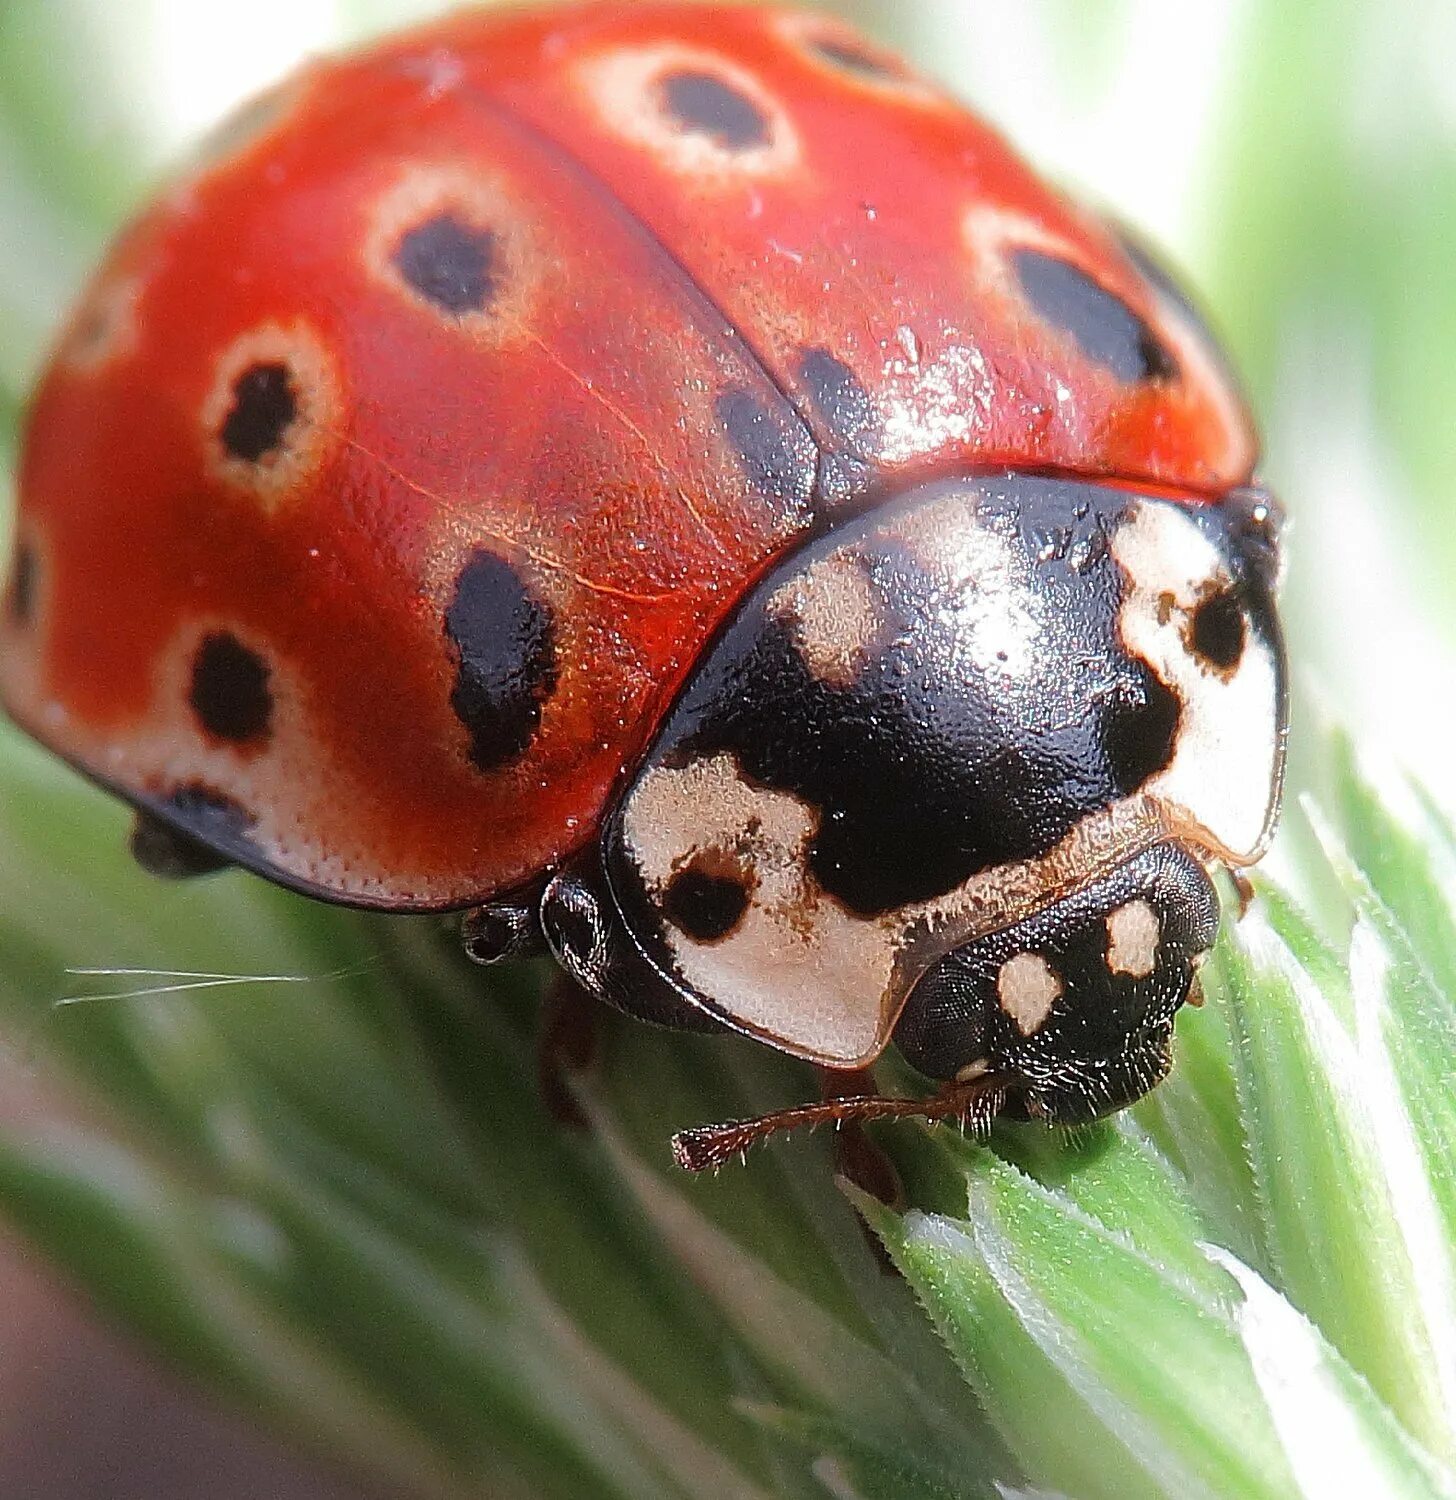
(567,1045)
(856,1157)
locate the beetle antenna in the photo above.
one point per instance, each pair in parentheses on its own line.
(973,1103)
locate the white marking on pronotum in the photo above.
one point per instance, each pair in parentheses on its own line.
(1028,987)
(798,967)
(835,613)
(1224,765)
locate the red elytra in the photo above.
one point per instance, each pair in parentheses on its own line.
(403,457)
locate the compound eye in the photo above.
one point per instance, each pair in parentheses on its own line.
(1076,1002)
(1256,522)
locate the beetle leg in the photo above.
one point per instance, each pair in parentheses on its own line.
(502,930)
(567,1047)
(856,1157)
(972,1103)
(165,851)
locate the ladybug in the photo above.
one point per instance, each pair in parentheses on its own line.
(667,481)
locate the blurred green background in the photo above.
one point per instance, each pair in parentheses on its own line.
(337,1201)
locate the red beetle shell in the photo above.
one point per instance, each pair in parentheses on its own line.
(401,460)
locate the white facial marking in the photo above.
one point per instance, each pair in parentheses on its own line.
(1222,775)
(835,613)
(1133,934)
(1027,988)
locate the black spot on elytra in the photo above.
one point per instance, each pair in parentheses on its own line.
(851,59)
(450,263)
(842,401)
(92,330)
(168,853)
(265,406)
(705,105)
(1153,271)
(1218,630)
(24,585)
(211,816)
(705,903)
(1141,731)
(778,454)
(230,691)
(845,408)
(504,640)
(1105,329)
